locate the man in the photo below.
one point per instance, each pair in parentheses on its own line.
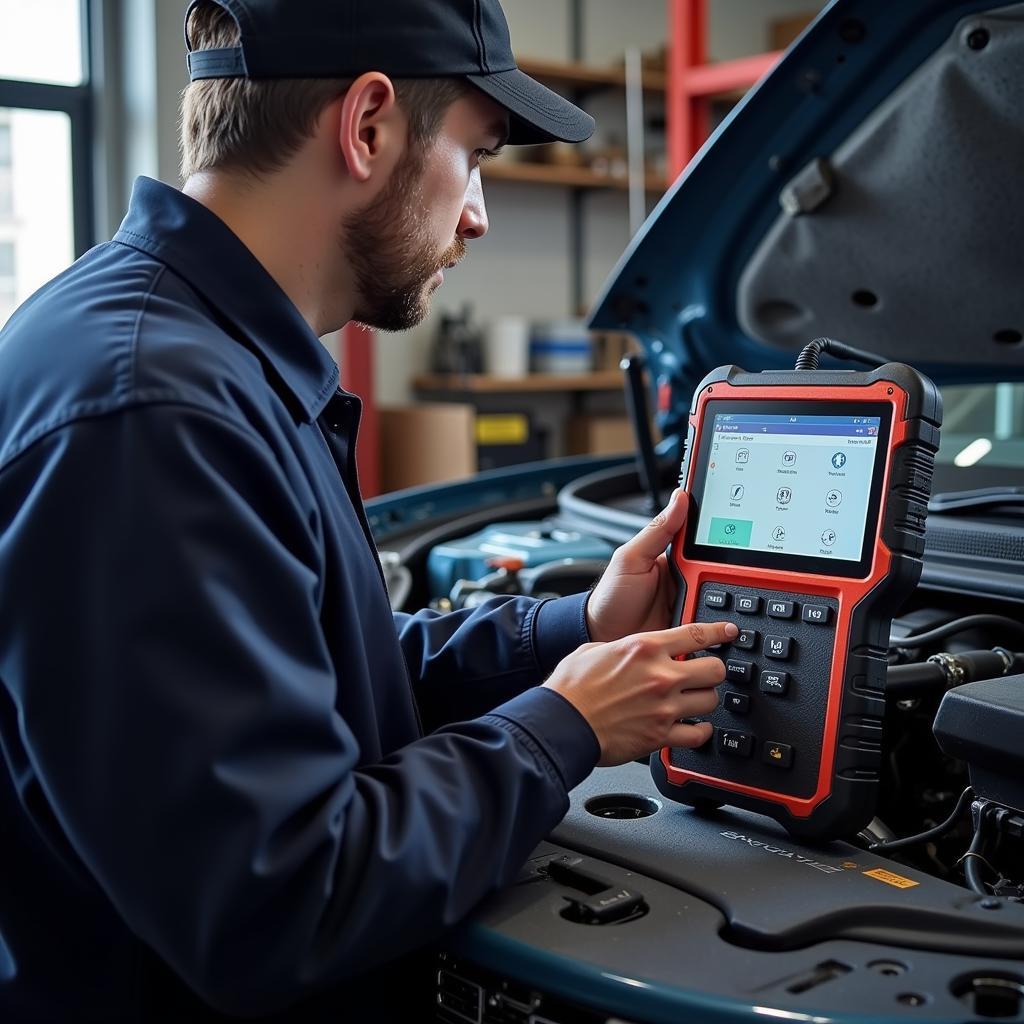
(234,781)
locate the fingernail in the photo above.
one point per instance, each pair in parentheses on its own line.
(732,630)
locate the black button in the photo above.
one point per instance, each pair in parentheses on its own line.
(736,744)
(739,671)
(780,609)
(748,605)
(816,613)
(746,640)
(774,682)
(737,703)
(777,647)
(779,755)
(716,599)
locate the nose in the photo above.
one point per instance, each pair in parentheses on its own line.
(473,223)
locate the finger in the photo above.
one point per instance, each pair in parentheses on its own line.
(697,636)
(688,736)
(701,673)
(639,554)
(696,703)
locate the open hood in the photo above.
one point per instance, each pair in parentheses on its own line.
(869,189)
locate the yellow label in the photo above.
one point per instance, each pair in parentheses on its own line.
(890,879)
(502,429)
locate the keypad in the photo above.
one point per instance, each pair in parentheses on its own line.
(771,717)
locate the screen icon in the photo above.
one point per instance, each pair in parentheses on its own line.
(828,538)
(779,533)
(730,529)
(789,459)
(834,498)
(839,460)
(784,495)
(743,455)
(737,492)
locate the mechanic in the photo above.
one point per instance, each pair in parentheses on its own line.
(234,781)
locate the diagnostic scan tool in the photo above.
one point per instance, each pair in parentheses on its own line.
(809,491)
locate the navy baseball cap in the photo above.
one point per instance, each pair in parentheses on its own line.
(401,38)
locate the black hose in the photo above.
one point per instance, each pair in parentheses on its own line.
(974,858)
(956,626)
(811,354)
(932,833)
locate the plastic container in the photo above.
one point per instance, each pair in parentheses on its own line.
(563,347)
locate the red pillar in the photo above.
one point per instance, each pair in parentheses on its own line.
(357,366)
(688,116)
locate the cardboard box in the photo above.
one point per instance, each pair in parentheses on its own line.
(426,444)
(782,32)
(600,435)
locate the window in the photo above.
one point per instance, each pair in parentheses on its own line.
(45,144)
(7,284)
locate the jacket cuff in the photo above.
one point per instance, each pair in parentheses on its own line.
(559,627)
(555,726)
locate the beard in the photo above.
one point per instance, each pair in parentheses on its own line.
(392,255)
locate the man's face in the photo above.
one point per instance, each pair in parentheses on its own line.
(401,244)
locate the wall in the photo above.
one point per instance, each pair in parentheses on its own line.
(523,265)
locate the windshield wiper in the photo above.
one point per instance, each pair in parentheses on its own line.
(980,498)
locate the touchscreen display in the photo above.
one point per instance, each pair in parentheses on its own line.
(796,485)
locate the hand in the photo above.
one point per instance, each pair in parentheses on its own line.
(633,692)
(637,593)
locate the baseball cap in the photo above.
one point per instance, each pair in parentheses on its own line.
(401,38)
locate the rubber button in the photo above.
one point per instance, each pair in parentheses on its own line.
(748,605)
(747,639)
(776,683)
(817,613)
(716,599)
(778,755)
(737,703)
(735,744)
(739,671)
(777,647)
(781,609)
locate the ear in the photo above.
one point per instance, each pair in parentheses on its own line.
(372,127)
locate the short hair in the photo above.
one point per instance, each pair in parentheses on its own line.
(255,126)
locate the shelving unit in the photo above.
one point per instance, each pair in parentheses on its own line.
(691,86)
(605,380)
(581,77)
(566,176)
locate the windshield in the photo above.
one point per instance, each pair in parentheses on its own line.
(983,425)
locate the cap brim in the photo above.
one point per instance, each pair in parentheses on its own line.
(538,113)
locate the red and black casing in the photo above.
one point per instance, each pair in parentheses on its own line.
(850,751)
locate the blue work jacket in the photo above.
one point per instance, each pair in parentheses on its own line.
(231,777)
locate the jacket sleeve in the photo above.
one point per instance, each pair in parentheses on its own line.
(465,663)
(161,642)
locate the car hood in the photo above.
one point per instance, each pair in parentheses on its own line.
(869,189)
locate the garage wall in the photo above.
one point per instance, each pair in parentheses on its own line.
(523,265)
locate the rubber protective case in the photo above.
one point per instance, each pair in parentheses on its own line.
(849,770)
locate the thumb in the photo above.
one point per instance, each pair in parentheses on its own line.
(643,550)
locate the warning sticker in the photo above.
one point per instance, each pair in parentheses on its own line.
(891,879)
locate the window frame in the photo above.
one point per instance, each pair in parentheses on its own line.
(77,102)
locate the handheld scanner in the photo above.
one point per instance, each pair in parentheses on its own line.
(809,492)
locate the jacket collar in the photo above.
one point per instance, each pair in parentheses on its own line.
(200,248)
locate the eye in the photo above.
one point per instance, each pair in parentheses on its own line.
(483,155)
